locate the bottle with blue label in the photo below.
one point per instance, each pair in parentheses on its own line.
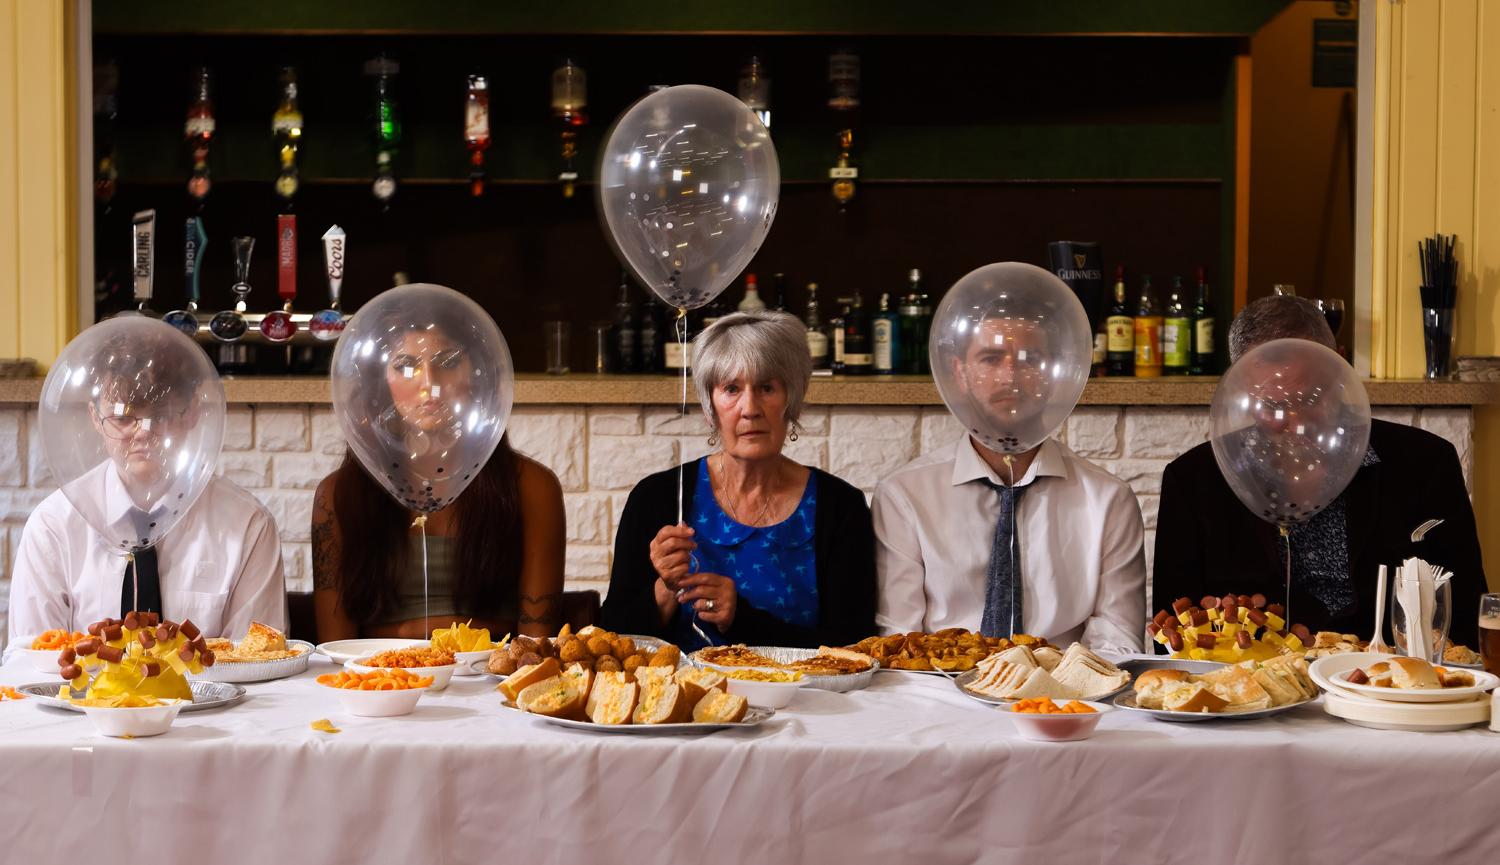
(887,332)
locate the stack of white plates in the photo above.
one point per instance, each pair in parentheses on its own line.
(1391,709)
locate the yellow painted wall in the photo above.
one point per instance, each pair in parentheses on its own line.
(1437,170)
(38,261)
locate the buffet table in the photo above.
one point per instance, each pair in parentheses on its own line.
(874,776)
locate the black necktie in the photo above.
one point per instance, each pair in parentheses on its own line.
(1002,590)
(147,582)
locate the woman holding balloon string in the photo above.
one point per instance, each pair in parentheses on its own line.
(770,551)
(1006,530)
(131,422)
(422,388)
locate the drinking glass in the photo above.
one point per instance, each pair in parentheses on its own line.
(1437,624)
(1489,632)
(557,333)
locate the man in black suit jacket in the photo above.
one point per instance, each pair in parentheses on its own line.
(1209,543)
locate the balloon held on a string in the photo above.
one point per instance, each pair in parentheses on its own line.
(422,389)
(1011,350)
(131,420)
(688,185)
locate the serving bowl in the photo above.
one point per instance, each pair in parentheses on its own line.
(1059,728)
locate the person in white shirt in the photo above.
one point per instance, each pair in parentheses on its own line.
(220,566)
(1059,553)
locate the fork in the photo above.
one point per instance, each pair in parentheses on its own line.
(1377,642)
(1420,531)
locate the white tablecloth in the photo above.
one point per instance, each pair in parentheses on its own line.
(905,771)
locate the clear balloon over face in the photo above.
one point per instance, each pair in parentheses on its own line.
(131,421)
(688,184)
(422,388)
(1011,351)
(1290,424)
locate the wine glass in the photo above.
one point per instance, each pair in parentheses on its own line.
(1333,312)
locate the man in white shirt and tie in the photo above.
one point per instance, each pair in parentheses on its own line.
(1059,553)
(220,566)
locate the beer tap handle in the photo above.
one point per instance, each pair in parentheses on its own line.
(193,249)
(143,253)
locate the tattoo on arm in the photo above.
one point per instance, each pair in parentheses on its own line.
(325,553)
(541,609)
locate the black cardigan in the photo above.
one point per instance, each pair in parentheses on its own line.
(843,550)
(1209,543)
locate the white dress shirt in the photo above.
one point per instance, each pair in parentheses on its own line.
(1083,557)
(220,567)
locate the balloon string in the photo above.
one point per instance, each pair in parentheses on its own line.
(421,523)
(1010,469)
(135,585)
(1287,536)
(681,327)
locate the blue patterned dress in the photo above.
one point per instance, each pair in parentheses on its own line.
(772,567)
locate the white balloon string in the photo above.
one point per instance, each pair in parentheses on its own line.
(681,326)
(421,523)
(135,585)
(1287,536)
(1015,582)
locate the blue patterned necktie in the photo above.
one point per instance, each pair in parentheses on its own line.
(1002,590)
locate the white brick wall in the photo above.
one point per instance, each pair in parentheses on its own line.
(599,452)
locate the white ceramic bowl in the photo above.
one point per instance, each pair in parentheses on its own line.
(466,659)
(1059,728)
(146,721)
(378,704)
(771,695)
(43,661)
(441,676)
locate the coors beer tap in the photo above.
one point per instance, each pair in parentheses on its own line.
(186,320)
(326,325)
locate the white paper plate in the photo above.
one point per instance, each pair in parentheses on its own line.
(1411,717)
(1483,682)
(206,695)
(258,671)
(754,716)
(343,651)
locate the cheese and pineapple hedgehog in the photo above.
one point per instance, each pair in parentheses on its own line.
(1230,629)
(138,655)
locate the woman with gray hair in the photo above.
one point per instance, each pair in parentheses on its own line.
(770,552)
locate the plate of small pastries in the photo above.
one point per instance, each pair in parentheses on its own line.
(1243,691)
(942,653)
(600,650)
(263,654)
(826,668)
(646,700)
(1021,673)
(1414,680)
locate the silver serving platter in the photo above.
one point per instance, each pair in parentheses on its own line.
(206,695)
(1127,701)
(961,682)
(259,671)
(754,717)
(782,655)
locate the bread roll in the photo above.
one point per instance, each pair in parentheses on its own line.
(718,707)
(1193,697)
(1153,685)
(1413,673)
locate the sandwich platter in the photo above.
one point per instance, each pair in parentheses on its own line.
(1127,701)
(1019,672)
(754,717)
(206,695)
(964,679)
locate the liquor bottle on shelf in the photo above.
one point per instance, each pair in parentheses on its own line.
(1176,334)
(1147,332)
(886,332)
(624,348)
(715,310)
(387,127)
(843,100)
(836,328)
(1119,356)
(1101,351)
(1203,331)
(780,280)
(817,337)
(569,107)
(477,130)
(286,125)
(198,132)
(652,335)
(106,111)
(755,90)
(858,351)
(916,323)
(752,302)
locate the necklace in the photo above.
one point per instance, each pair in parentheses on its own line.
(733,511)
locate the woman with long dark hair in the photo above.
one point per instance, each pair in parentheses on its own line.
(494,556)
